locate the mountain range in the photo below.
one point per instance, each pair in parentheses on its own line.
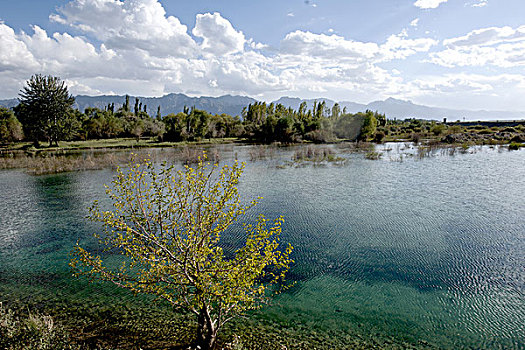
(233,105)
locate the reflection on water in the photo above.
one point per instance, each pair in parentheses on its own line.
(427,249)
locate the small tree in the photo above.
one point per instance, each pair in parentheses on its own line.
(44,106)
(169,225)
(10,127)
(369,126)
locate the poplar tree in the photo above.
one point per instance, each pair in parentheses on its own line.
(43,110)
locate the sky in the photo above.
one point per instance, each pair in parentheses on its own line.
(466,54)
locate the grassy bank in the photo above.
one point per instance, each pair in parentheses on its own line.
(99,154)
(450,134)
(116,143)
(127,326)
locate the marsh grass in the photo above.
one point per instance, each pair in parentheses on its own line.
(116,143)
(315,155)
(58,163)
(53,162)
(259,152)
(356,147)
(373,155)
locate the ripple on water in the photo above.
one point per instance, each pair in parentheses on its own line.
(427,250)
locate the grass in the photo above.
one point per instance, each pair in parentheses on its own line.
(31,330)
(259,152)
(373,155)
(116,143)
(59,161)
(315,155)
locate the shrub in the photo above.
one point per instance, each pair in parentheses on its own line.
(516,146)
(380,136)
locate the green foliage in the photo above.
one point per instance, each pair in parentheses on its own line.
(454,129)
(438,129)
(43,110)
(516,146)
(99,124)
(379,136)
(369,126)
(32,331)
(10,127)
(169,226)
(175,127)
(373,155)
(348,126)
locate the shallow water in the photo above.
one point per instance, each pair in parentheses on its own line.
(420,250)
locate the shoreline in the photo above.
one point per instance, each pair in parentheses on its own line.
(137,324)
(89,155)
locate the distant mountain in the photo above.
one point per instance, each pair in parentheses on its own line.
(295,102)
(233,105)
(172,103)
(400,109)
(10,103)
(394,108)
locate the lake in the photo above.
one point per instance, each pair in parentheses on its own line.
(422,249)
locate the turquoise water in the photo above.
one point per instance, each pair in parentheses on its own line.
(419,250)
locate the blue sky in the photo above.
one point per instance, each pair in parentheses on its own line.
(454,53)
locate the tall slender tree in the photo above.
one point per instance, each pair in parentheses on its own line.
(43,110)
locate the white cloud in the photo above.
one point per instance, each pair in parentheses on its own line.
(134,47)
(14,54)
(414,23)
(400,47)
(429,4)
(488,36)
(327,46)
(480,3)
(479,90)
(497,46)
(131,25)
(219,36)
(337,47)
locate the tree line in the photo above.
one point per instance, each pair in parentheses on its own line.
(46,114)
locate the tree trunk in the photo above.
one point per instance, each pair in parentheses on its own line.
(206,331)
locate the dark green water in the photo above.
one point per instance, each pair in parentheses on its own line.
(420,250)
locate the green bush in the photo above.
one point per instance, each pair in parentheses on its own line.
(438,129)
(485,131)
(379,137)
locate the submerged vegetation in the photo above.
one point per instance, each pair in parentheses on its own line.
(316,155)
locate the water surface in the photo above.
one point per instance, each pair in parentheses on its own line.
(424,251)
